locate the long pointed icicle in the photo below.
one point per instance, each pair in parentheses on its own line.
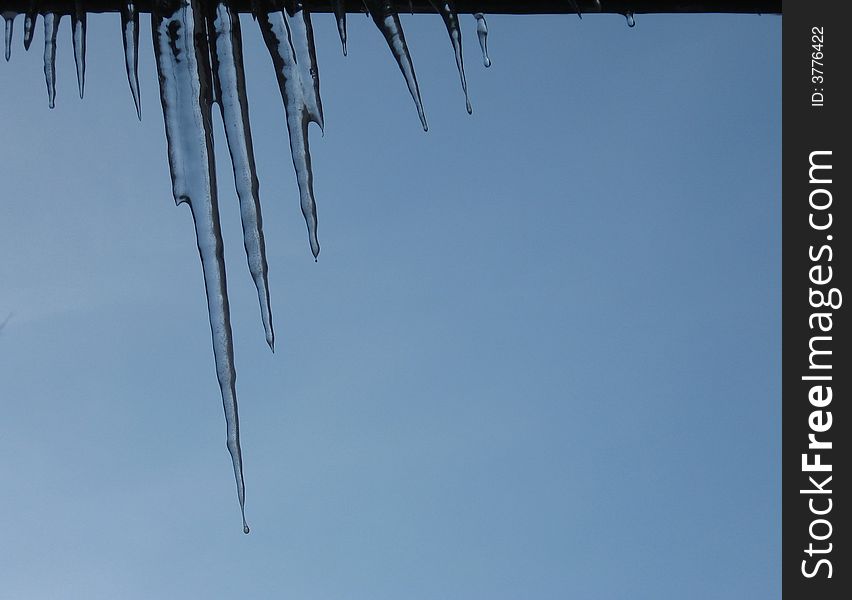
(482,34)
(29,24)
(451,20)
(230,79)
(302,37)
(51,27)
(387,20)
(276,34)
(340,17)
(184,75)
(130,39)
(78,32)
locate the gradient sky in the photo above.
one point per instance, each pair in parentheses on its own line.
(539,356)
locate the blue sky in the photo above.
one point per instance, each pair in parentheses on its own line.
(539,356)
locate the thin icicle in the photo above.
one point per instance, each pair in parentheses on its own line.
(482,34)
(451,20)
(78,29)
(302,38)
(9,17)
(387,20)
(51,27)
(276,34)
(340,17)
(29,25)
(230,79)
(576,8)
(130,39)
(184,75)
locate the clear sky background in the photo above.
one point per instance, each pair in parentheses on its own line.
(539,356)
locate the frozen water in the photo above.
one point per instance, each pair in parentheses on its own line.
(9,18)
(451,20)
(184,74)
(276,33)
(51,27)
(387,20)
(230,81)
(482,34)
(130,40)
(78,33)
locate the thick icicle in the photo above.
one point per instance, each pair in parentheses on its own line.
(302,37)
(482,34)
(130,39)
(51,27)
(631,19)
(184,75)
(276,34)
(451,20)
(9,18)
(340,17)
(230,80)
(29,24)
(78,29)
(387,20)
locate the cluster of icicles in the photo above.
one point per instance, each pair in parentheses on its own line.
(198,49)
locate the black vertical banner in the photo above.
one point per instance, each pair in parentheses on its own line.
(817,270)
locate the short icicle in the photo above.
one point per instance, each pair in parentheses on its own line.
(576,8)
(387,20)
(451,20)
(482,34)
(302,36)
(9,18)
(29,24)
(130,40)
(230,81)
(51,27)
(78,33)
(340,17)
(276,33)
(184,76)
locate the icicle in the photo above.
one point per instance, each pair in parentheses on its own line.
(302,38)
(276,34)
(598,5)
(9,17)
(230,79)
(451,20)
(29,25)
(184,75)
(482,34)
(576,8)
(340,16)
(78,29)
(51,27)
(387,20)
(130,38)
(631,19)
